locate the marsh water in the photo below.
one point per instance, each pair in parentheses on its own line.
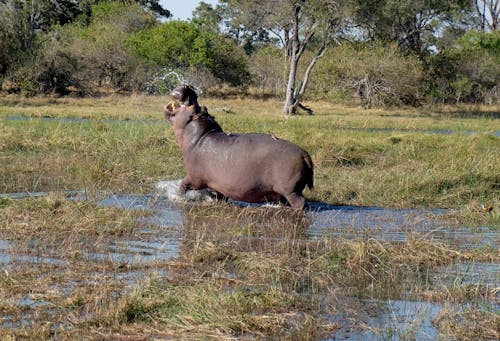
(160,236)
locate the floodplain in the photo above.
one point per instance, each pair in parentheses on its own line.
(400,240)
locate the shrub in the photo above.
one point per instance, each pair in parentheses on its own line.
(182,45)
(84,57)
(469,72)
(266,66)
(378,74)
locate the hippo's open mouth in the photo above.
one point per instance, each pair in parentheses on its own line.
(172,106)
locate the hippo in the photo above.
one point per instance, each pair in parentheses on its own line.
(249,167)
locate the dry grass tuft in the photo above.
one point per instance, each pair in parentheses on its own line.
(473,323)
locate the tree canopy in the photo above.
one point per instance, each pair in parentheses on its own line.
(381,52)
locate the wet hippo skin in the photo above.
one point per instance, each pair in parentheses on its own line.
(246,167)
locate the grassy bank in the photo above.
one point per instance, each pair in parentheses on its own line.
(375,157)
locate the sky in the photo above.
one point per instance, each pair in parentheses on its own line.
(183,9)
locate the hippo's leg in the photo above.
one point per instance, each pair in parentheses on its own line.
(188,183)
(185,185)
(297,201)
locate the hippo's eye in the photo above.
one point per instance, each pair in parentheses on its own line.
(173,105)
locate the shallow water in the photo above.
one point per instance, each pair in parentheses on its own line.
(388,320)
(159,238)
(468,273)
(350,222)
(9,255)
(389,224)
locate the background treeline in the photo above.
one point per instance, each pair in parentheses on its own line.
(383,52)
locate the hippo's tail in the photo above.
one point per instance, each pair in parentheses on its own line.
(308,171)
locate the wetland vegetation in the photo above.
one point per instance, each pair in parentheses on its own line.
(72,266)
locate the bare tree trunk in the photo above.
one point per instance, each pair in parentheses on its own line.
(294,54)
(294,96)
(290,107)
(298,96)
(295,48)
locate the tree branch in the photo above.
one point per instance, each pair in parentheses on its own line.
(303,85)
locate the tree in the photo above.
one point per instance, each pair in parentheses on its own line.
(300,25)
(224,19)
(489,14)
(101,47)
(469,72)
(83,57)
(406,21)
(182,45)
(208,17)
(22,22)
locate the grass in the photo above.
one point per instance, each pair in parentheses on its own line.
(354,167)
(241,272)
(471,324)
(245,273)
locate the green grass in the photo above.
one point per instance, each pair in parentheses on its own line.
(353,167)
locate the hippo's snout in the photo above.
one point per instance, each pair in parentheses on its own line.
(177,93)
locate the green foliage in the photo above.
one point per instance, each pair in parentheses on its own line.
(481,41)
(165,45)
(83,57)
(180,45)
(469,72)
(407,21)
(378,74)
(66,46)
(87,51)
